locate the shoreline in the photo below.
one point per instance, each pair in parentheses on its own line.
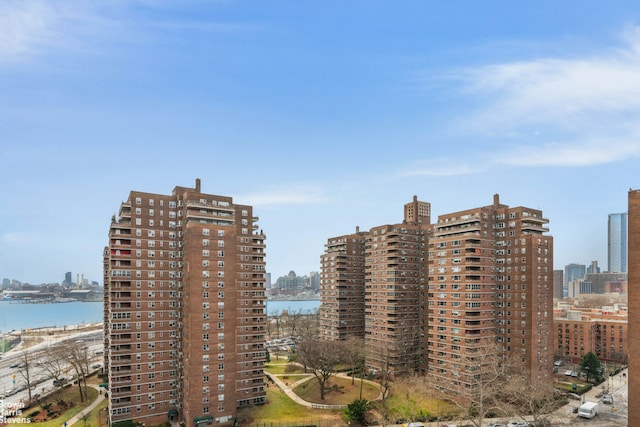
(32,337)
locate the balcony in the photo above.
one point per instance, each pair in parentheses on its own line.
(534,227)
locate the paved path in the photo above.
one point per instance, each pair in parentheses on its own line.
(562,417)
(78,417)
(288,389)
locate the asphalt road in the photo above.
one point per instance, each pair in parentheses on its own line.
(13,385)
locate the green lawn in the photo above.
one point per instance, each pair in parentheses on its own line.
(280,409)
(94,415)
(69,394)
(343,393)
(283,368)
(409,402)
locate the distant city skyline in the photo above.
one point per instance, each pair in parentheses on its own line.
(322,116)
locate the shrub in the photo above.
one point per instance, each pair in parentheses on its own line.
(357,410)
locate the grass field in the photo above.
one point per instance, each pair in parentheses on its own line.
(341,391)
(283,368)
(68,394)
(280,409)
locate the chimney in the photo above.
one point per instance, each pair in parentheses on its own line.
(197,185)
(496,199)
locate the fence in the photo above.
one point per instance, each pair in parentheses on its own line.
(305,423)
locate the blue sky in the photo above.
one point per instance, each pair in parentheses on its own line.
(324,115)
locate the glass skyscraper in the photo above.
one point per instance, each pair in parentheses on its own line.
(617,243)
(572,272)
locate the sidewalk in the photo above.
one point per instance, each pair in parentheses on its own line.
(288,389)
(78,417)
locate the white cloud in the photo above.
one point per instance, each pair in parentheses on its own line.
(585,154)
(35,27)
(576,111)
(31,27)
(443,167)
(24,27)
(293,195)
(18,239)
(564,93)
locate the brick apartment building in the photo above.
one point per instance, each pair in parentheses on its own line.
(602,331)
(395,293)
(490,280)
(341,310)
(184,308)
(634,303)
(373,284)
(436,293)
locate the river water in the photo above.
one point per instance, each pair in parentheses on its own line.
(14,315)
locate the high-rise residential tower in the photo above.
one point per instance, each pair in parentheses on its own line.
(440,296)
(395,293)
(490,284)
(341,310)
(184,308)
(617,243)
(634,304)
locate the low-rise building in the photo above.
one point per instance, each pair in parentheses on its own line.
(602,331)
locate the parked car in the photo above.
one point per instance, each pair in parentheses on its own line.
(558,363)
(608,399)
(517,424)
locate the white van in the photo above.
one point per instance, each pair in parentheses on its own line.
(588,410)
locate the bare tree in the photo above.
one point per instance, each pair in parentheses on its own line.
(308,324)
(527,395)
(409,349)
(277,322)
(354,355)
(269,327)
(485,373)
(292,321)
(321,357)
(54,362)
(78,357)
(27,369)
(385,377)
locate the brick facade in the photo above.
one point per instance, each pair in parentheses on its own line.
(184,308)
